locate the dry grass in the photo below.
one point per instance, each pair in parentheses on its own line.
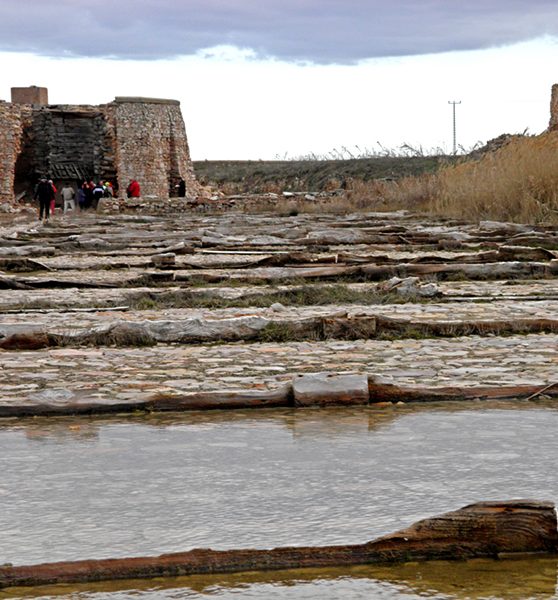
(518,182)
(337,205)
(410,193)
(303,295)
(256,176)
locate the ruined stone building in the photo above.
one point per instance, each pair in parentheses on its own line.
(129,138)
(553,124)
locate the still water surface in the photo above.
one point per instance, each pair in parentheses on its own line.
(93,488)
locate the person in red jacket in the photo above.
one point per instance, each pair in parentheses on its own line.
(133,189)
(53,201)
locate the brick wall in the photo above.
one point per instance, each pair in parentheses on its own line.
(12,118)
(151,145)
(30,95)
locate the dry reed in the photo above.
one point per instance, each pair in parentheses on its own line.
(518,182)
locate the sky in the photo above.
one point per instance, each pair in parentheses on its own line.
(264,79)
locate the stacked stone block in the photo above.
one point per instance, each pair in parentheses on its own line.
(72,142)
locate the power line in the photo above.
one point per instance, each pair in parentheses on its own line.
(453,103)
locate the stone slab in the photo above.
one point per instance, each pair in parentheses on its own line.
(321,389)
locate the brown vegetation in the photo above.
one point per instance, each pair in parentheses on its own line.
(516,180)
(238,177)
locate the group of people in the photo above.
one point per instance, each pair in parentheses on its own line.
(90,193)
(84,196)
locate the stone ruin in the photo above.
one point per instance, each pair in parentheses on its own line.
(553,125)
(129,138)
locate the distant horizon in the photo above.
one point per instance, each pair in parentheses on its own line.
(319,157)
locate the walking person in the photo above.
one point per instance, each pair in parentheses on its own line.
(45,194)
(81,198)
(68,195)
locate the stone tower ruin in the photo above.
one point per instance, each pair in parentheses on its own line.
(553,125)
(129,138)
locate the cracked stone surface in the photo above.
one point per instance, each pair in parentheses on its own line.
(72,297)
(103,265)
(112,374)
(451,312)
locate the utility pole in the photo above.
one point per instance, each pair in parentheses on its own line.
(453,103)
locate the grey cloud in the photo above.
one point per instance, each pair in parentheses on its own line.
(323,31)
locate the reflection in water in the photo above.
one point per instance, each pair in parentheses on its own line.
(62,430)
(533,578)
(477,579)
(144,485)
(311,422)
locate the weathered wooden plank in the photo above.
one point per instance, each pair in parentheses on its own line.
(386,392)
(485,529)
(282,396)
(22,265)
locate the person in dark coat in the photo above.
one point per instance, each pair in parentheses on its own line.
(181,188)
(81,198)
(87,188)
(45,194)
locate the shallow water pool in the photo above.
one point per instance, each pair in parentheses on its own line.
(94,488)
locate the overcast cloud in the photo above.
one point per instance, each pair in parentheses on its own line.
(322,31)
